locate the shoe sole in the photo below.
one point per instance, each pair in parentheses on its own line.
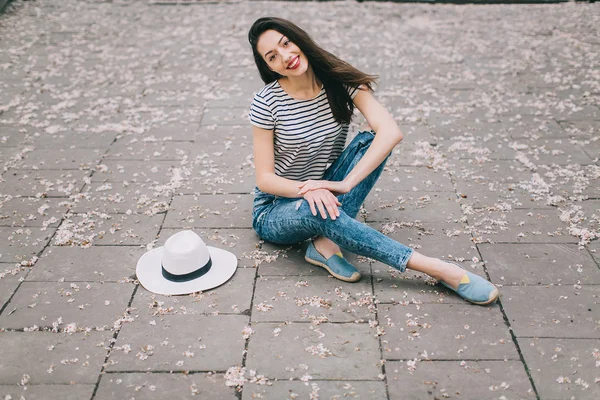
(340,277)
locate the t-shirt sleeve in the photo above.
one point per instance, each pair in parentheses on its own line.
(352,91)
(260,114)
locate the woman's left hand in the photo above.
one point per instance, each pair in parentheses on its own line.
(334,187)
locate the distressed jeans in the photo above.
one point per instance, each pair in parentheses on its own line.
(285,221)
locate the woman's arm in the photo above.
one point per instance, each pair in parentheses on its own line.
(264,165)
(388,135)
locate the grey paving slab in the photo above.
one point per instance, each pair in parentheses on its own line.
(433,207)
(534,127)
(159,386)
(42,182)
(41,392)
(520,226)
(539,264)
(57,305)
(66,138)
(594,248)
(135,171)
(52,358)
(62,159)
(555,151)
(150,150)
(294,350)
(454,379)
(27,211)
(108,229)
(22,244)
(219,179)
(175,130)
(120,197)
(308,298)
(445,332)
(324,389)
(225,116)
(179,343)
(569,311)
(92,264)
(233,297)
(415,179)
(206,211)
(581,129)
(499,195)
(273,259)
(490,170)
(563,368)
(10,277)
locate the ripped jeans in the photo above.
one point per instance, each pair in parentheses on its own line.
(283,220)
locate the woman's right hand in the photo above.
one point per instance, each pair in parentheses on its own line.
(323,199)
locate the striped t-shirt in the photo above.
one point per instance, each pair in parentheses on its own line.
(307,139)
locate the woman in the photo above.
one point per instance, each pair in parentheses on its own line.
(308,185)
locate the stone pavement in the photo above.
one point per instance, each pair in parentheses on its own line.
(124,122)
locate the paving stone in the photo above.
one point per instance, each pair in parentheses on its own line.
(88,305)
(136,171)
(70,358)
(160,386)
(42,183)
(221,179)
(499,195)
(451,379)
(26,211)
(433,207)
(445,332)
(563,368)
(534,127)
(555,151)
(490,170)
(539,264)
(324,389)
(119,197)
(233,297)
(113,229)
(207,211)
(92,264)
(594,248)
(215,341)
(41,392)
(415,179)
(285,351)
(311,298)
(171,98)
(66,138)
(581,129)
(225,116)
(62,159)
(174,130)
(520,226)
(22,244)
(10,277)
(148,150)
(273,259)
(553,311)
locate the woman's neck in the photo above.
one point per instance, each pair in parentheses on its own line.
(306,83)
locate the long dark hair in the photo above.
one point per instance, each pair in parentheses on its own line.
(331,71)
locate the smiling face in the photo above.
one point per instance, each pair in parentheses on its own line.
(281,54)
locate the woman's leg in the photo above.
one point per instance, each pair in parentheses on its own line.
(352,200)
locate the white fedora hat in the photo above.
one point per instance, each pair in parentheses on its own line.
(185,264)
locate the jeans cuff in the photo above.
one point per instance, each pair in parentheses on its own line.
(404,259)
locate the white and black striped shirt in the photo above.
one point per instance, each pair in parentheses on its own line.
(307,139)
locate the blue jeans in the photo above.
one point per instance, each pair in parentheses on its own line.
(283,220)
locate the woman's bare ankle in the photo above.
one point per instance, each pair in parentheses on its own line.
(325,246)
(436,268)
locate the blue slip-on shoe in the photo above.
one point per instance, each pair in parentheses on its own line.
(474,288)
(336,265)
